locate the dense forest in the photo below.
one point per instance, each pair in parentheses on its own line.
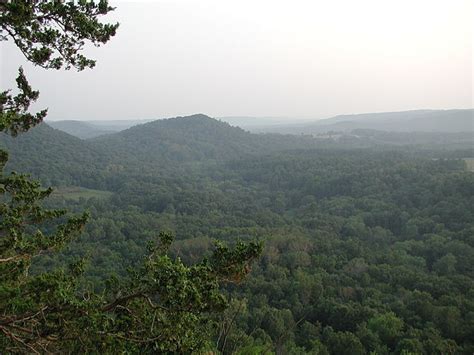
(368,246)
(351,235)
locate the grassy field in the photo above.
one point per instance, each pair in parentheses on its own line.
(469,164)
(76,192)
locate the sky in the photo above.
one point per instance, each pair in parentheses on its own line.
(299,59)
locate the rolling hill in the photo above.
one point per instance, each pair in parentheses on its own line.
(53,156)
(60,158)
(194,138)
(92,129)
(439,121)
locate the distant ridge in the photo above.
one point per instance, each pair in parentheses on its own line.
(440,121)
(79,129)
(92,129)
(44,151)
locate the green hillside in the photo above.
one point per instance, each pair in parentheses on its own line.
(368,246)
(55,157)
(157,147)
(194,138)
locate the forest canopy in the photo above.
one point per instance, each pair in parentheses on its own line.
(189,235)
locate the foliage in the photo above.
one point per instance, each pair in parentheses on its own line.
(367,248)
(163,306)
(14,113)
(52,34)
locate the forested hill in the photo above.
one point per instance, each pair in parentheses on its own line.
(54,156)
(178,139)
(200,137)
(58,158)
(192,138)
(366,250)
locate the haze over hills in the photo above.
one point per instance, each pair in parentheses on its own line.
(439,121)
(447,121)
(44,151)
(324,225)
(195,137)
(79,129)
(250,122)
(92,129)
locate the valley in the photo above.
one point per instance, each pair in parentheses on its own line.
(367,244)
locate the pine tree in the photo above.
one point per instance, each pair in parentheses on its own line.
(164,306)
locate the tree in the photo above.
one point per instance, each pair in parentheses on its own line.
(50,34)
(387,326)
(164,306)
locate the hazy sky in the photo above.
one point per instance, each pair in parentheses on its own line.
(302,59)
